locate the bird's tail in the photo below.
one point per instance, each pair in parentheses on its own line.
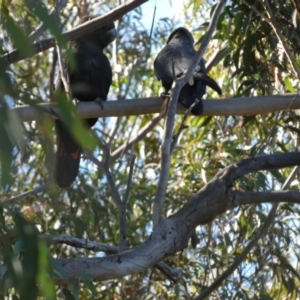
(208,81)
(67,156)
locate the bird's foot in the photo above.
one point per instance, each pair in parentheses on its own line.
(165,95)
(99,101)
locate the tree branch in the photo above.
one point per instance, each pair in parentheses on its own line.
(115,193)
(243,198)
(79,243)
(25,195)
(172,234)
(116,197)
(217,196)
(241,257)
(261,232)
(78,31)
(171,273)
(279,35)
(211,62)
(297,5)
(129,181)
(235,106)
(60,4)
(140,135)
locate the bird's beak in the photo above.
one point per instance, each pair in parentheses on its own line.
(191,81)
(112,34)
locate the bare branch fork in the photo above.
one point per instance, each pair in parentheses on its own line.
(171,273)
(173,234)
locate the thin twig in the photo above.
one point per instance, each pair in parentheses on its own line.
(167,139)
(257,11)
(182,125)
(297,5)
(172,273)
(277,119)
(52,72)
(113,132)
(210,63)
(64,75)
(25,195)
(140,135)
(79,243)
(93,159)
(269,135)
(139,59)
(241,257)
(117,199)
(60,4)
(284,264)
(273,23)
(129,181)
(135,65)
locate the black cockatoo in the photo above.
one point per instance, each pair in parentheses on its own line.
(174,60)
(90,80)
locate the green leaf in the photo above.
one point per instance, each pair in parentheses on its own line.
(51,22)
(44,280)
(19,39)
(288,85)
(91,288)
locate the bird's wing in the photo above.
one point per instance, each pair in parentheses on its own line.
(171,63)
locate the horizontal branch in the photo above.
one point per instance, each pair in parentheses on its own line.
(139,259)
(264,162)
(78,31)
(79,243)
(217,196)
(172,273)
(242,198)
(24,195)
(129,107)
(172,234)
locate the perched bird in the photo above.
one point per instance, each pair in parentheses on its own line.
(174,60)
(90,80)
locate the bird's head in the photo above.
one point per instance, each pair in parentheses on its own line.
(180,34)
(102,36)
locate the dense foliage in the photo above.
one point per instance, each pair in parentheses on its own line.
(254,63)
